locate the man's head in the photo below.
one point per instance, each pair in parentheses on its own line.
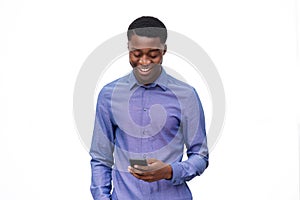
(146,44)
(148,26)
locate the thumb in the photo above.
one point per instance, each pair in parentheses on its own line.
(151,160)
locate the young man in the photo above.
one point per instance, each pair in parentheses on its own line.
(148,115)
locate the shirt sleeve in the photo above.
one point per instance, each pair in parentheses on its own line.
(101,151)
(194,133)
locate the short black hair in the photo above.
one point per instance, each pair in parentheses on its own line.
(148,26)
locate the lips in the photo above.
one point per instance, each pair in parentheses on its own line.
(144,69)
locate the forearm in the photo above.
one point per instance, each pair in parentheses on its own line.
(101,181)
(186,170)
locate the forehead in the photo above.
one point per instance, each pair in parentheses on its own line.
(141,42)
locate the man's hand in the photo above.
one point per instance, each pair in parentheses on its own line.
(156,170)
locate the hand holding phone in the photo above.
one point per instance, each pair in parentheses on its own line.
(150,170)
(141,162)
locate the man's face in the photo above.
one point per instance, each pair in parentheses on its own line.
(146,56)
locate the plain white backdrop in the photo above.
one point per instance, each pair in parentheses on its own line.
(252,43)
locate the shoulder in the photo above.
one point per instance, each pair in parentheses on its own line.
(186,95)
(108,89)
(181,87)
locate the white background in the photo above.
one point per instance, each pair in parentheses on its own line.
(252,43)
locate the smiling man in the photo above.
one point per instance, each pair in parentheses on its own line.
(143,120)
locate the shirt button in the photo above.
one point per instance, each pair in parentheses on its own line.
(145,109)
(145,156)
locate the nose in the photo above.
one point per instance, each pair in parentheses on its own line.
(144,60)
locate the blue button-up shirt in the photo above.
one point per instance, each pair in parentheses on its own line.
(153,121)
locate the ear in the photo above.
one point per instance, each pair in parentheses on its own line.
(165,49)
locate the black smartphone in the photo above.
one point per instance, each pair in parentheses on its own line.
(142,162)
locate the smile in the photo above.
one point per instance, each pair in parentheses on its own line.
(144,69)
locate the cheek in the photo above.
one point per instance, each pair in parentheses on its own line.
(157,60)
(133,61)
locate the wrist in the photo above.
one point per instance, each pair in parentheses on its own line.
(169,172)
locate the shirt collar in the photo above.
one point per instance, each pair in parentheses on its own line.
(161,81)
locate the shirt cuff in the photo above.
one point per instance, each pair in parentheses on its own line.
(176,174)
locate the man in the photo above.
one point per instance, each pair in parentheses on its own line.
(149,115)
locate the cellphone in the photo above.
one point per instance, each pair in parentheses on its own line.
(142,162)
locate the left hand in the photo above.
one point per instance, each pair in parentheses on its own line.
(156,170)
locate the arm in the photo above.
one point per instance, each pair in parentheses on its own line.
(193,129)
(101,151)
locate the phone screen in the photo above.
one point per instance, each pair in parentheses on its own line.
(142,162)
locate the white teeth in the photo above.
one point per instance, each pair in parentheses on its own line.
(144,69)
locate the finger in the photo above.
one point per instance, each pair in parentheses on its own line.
(136,171)
(151,160)
(142,177)
(129,168)
(147,178)
(141,168)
